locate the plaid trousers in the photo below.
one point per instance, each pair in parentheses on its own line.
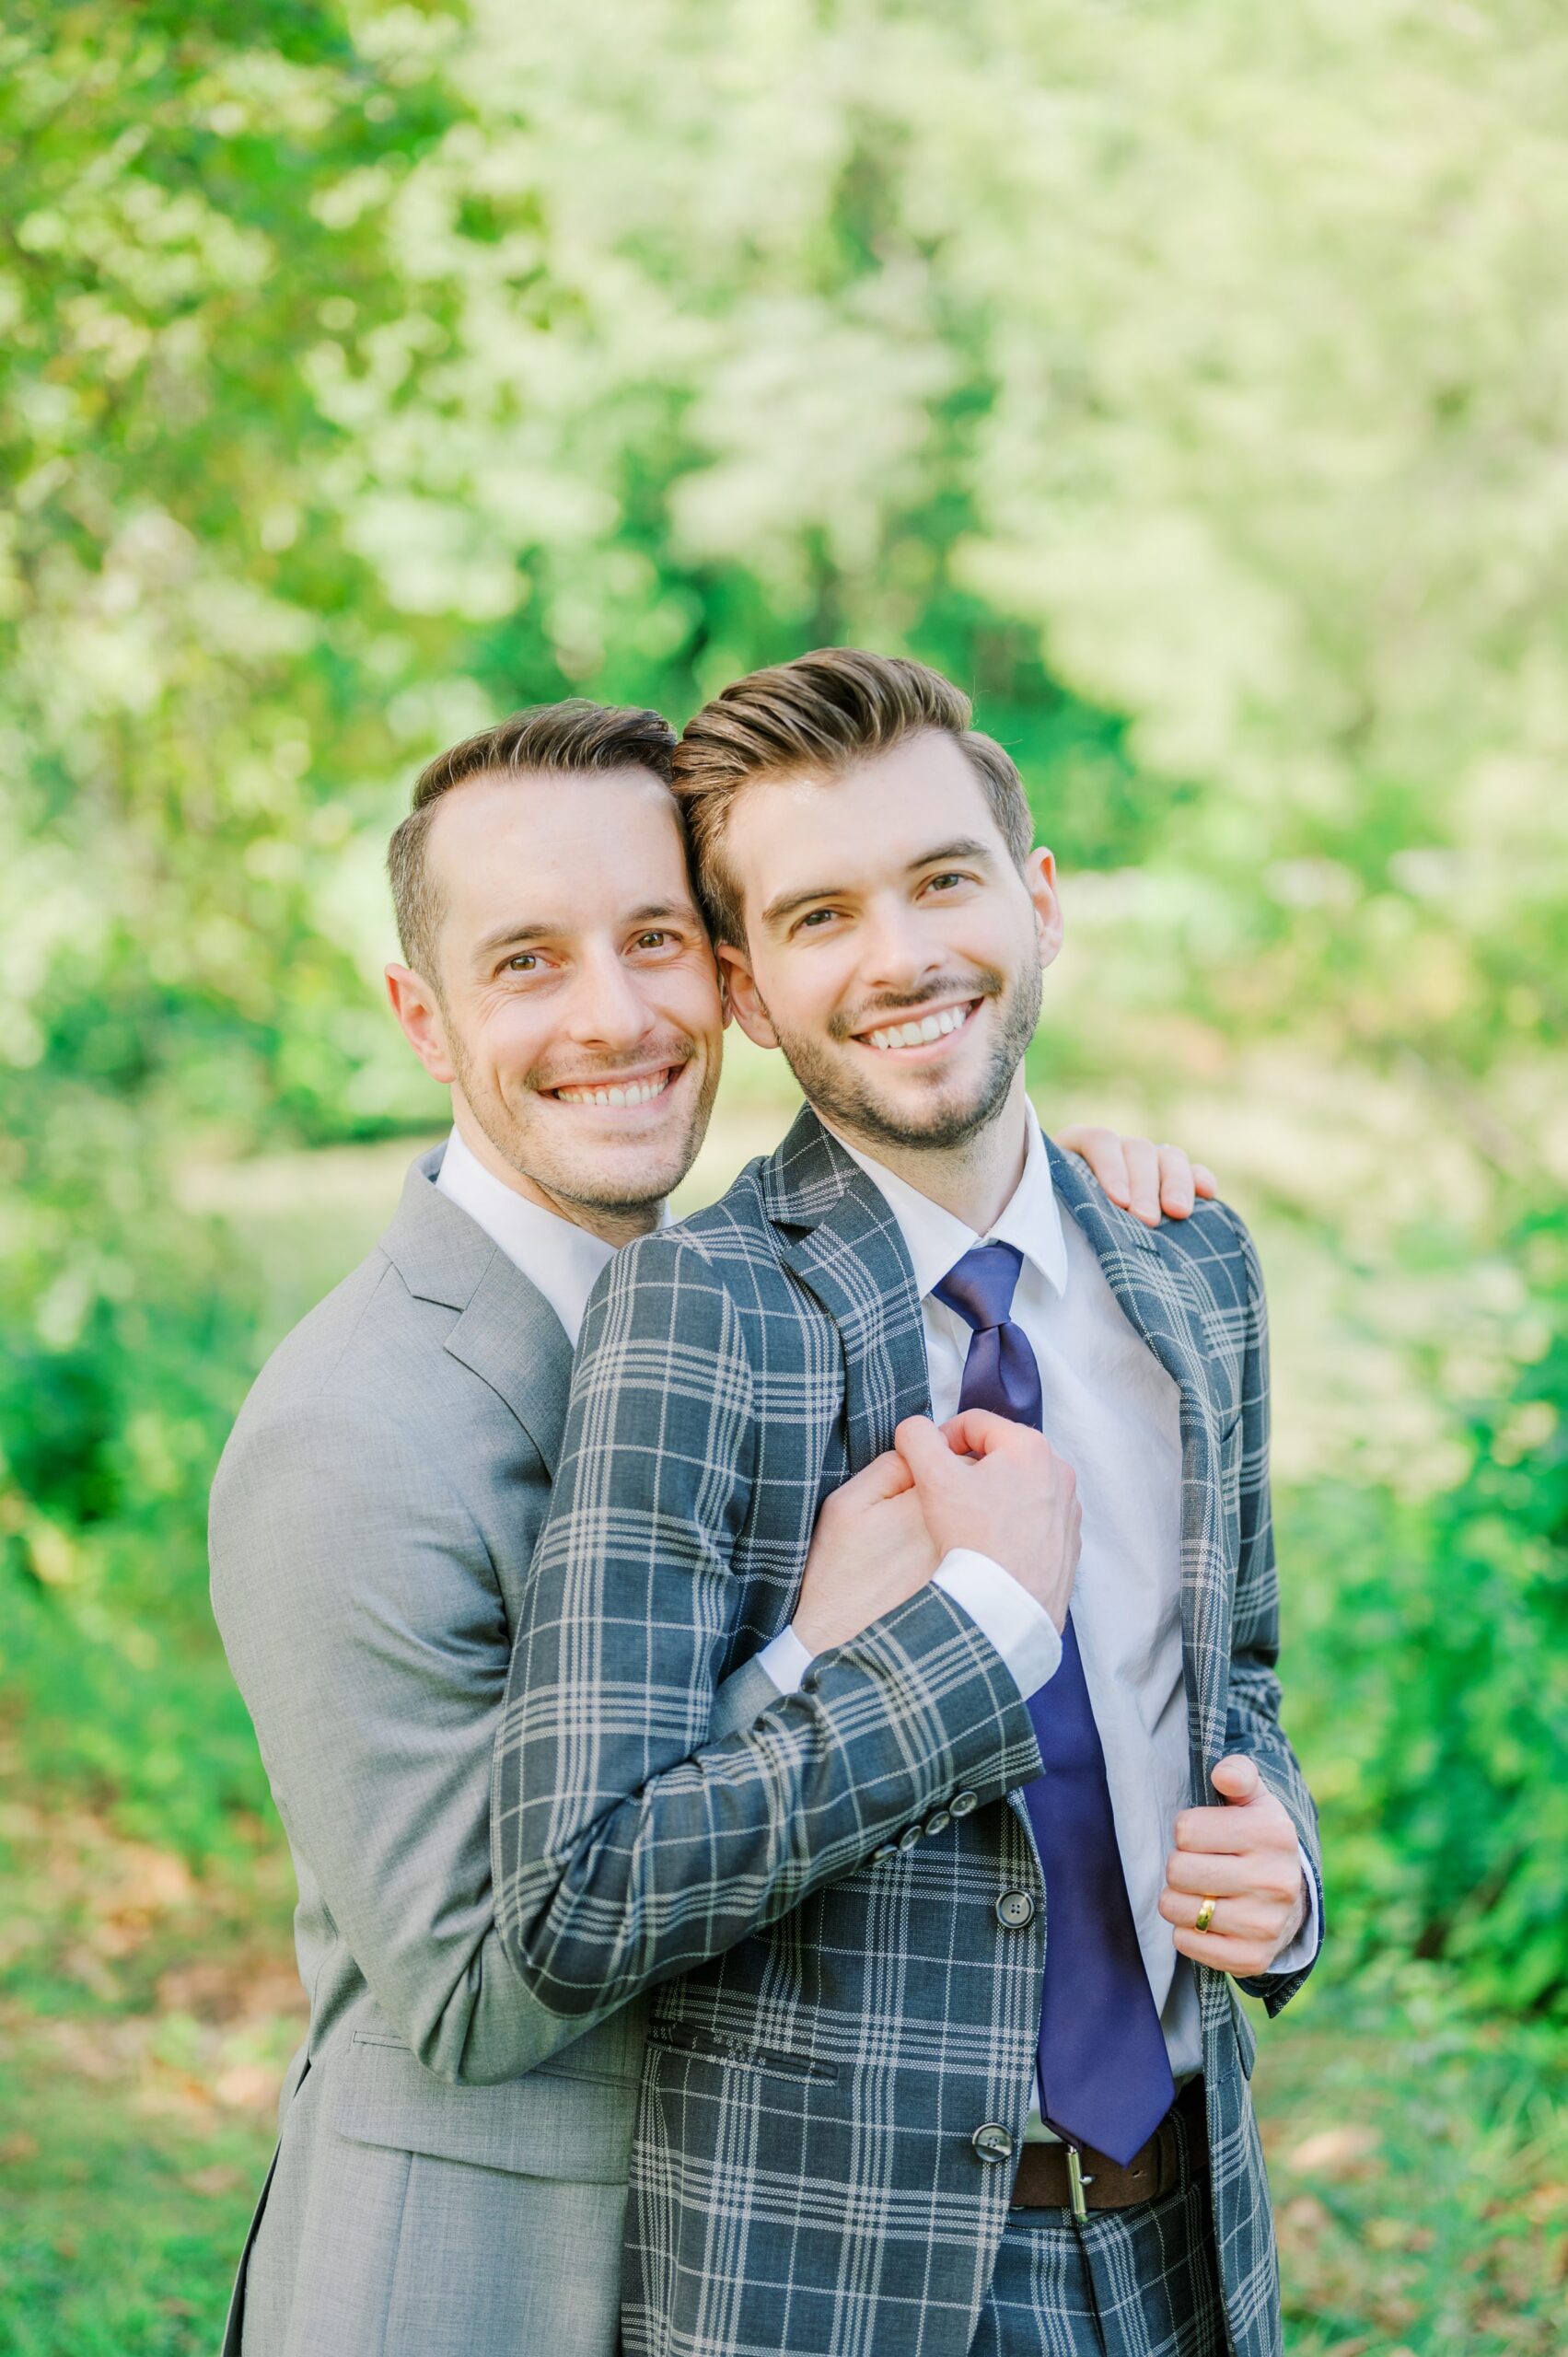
(1139,2283)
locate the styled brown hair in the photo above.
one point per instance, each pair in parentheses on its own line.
(572,738)
(822,712)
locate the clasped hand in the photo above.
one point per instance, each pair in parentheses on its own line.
(978,1481)
(1244,1856)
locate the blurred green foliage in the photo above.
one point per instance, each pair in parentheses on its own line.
(1191,390)
(1429,1676)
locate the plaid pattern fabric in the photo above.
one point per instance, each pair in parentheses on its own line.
(850,2011)
(1132,2283)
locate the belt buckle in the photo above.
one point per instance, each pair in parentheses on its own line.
(1077,2181)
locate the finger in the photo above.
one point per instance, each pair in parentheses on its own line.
(1243,1957)
(884,1477)
(922,1449)
(887,1476)
(1208,1874)
(1233,1919)
(1216,1833)
(1176,1182)
(1143,1176)
(1101,1149)
(977,1433)
(1203,1179)
(1236,1777)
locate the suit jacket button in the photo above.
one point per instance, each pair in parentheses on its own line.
(964,1804)
(938,1821)
(1014,1909)
(991,2143)
(889,1850)
(909,1837)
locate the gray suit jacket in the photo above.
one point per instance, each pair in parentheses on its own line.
(452,2158)
(850,2011)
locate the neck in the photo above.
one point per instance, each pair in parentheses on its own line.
(612,1222)
(976,1180)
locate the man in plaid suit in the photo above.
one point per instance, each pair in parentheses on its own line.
(977,2081)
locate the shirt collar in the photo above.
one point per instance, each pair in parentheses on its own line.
(935,1239)
(560,1259)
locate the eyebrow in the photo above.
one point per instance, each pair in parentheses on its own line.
(787,903)
(521,931)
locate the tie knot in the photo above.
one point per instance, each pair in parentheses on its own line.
(981,1286)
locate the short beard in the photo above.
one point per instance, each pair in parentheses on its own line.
(632,1196)
(834,1093)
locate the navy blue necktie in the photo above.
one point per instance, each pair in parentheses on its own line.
(1105,2075)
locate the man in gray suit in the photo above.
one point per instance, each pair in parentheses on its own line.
(452,2166)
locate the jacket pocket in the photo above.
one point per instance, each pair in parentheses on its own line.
(573,2128)
(713,2046)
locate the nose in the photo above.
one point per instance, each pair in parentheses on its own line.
(606,1010)
(899,952)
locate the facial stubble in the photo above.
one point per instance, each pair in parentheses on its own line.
(848,1103)
(590,1193)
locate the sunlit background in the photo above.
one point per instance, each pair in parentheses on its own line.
(1188,382)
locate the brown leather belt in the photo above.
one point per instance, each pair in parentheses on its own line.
(1043,2181)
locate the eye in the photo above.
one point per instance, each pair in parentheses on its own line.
(655,940)
(524,962)
(815,919)
(945,882)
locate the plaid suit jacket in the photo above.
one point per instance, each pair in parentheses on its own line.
(841,2007)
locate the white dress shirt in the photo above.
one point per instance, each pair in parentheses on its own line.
(561,1259)
(1114,1414)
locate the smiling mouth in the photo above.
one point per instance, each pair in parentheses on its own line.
(919,1031)
(642,1090)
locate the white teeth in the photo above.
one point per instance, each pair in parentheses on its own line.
(920,1035)
(635,1092)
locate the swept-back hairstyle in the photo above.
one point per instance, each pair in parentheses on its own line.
(569,739)
(818,715)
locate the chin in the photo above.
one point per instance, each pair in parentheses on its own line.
(637,1172)
(946,1115)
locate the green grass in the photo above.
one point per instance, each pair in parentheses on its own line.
(1419,2158)
(119,2232)
(146,2016)
(1420,2178)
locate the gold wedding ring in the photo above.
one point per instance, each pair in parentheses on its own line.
(1206,1913)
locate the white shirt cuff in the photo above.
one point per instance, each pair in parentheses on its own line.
(1022,1630)
(1002,1610)
(1305,1946)
(785,1660)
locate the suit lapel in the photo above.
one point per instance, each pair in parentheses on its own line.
(506,1331)
(1157,1297)
(841,1241)
(512,1339)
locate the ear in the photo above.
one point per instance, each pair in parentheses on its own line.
(1040,876)
(418,1011)
(742,996)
